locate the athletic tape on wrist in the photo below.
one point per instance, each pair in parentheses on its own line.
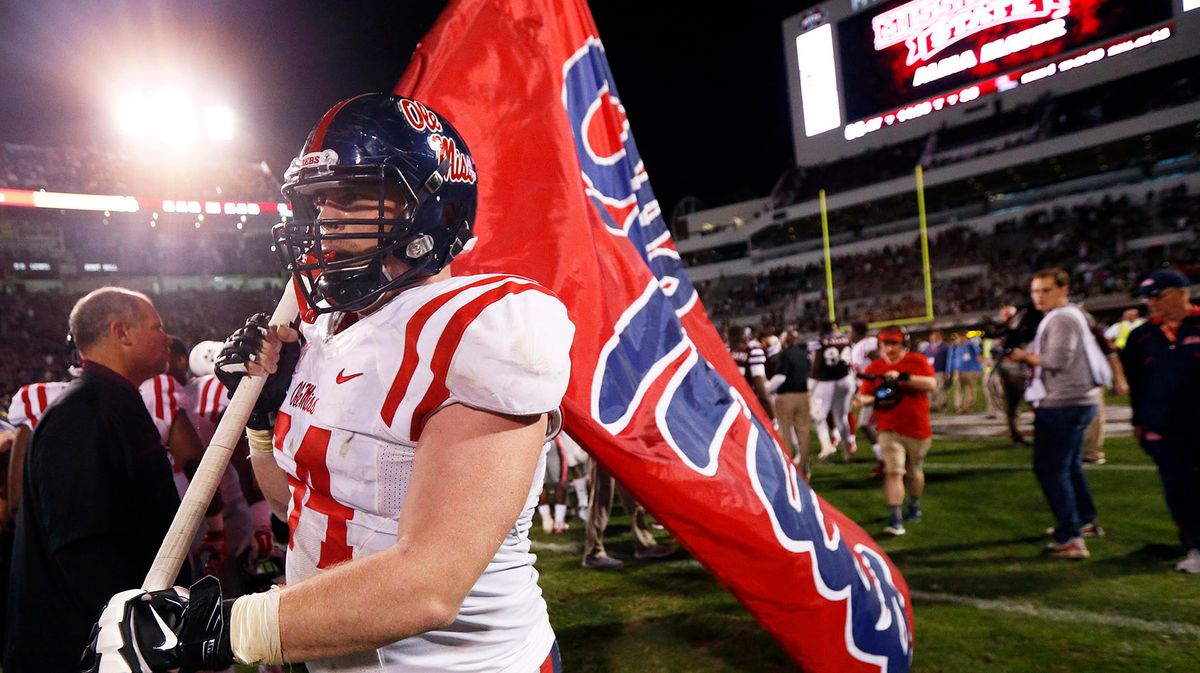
(254,628)
(260,441)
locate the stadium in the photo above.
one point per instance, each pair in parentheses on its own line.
(943,156)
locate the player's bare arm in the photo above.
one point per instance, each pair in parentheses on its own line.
(184,444)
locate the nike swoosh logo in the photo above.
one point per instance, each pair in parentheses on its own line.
(342,378)
(169,639)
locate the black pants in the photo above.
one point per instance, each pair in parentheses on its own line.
(1178,461)
(1012,382)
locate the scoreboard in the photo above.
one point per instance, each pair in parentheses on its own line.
(869,72)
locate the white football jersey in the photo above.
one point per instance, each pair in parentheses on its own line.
(159,395)
(207,400)
(859,352)
(31,400)
(349,429)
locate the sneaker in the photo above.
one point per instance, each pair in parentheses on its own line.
(1071,549)
(1190,563)
(657,551)
(895,529)
(602,562)
(913,514)
(560,528)
(1095,461)
(1086,530)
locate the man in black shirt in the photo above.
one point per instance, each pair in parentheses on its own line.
(98,492)
(791,402)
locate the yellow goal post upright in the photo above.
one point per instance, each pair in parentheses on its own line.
(925,267)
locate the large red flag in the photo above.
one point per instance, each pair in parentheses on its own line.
(565,200)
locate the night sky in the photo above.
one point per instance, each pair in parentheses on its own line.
(705,89)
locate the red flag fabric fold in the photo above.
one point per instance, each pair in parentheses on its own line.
(654,396)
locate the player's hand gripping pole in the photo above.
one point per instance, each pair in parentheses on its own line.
(204,483)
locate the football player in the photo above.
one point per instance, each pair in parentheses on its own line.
(405,392)
(831,389)
(166,398)
(751,361)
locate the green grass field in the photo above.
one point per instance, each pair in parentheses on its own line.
(1122,610)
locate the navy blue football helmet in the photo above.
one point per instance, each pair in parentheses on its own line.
(396,150)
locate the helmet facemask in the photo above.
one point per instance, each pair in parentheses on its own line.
(354,280)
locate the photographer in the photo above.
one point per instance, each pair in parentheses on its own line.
(1015,328)
(898,385)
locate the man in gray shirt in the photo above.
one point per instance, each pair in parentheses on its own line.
(1068,367)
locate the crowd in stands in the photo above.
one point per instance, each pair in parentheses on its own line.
(33,327)
(91,171)
(974,271)
(174,246)
(1163,87)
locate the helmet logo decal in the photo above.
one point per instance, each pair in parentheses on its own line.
(461,168)
(319,160)
(420,117)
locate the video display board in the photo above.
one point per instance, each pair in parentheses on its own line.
(909,50)
(860,66)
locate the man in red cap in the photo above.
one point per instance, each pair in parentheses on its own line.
(898,384)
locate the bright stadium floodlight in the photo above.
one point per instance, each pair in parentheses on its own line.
(219,121)
(132,113)
(172,117)
(175,118)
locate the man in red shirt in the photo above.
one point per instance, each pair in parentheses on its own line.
(898,383)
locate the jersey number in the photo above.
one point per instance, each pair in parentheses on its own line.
(313,480)
(832,356)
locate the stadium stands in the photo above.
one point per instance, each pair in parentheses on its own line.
(87,171)
(33,327)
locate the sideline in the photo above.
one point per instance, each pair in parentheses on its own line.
(1107,467)
(1057,614)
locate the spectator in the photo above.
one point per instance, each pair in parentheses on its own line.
(791,402)
(1068,365)
(905,432)
(1119,331)
(1093,437)
(99,495)
(600,507)
(1162,361)
(937,351)
(965,368)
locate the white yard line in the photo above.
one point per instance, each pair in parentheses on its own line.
(1058,614)
(560,547)
(1107,467)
